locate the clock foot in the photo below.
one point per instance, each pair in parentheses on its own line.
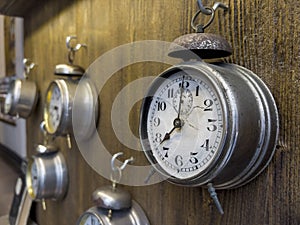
(214,196)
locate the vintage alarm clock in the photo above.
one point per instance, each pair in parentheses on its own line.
(113,205)
(47,175)
(22,94)
(208,124)
(61,98)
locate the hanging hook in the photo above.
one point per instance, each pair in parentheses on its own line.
(122,167)
(73,49)
(203,9)
(207,11)
(220,5)
(28,66)
(116,174)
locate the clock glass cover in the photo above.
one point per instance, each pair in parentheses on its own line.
(184,124)
(34,179)
(53,108)
(90,219)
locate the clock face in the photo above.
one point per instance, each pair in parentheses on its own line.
(183,124)
(90,219)
(53,108)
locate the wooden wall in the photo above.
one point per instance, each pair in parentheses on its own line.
(265,38)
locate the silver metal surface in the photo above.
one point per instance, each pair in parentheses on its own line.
(108,197)
(132,216)
(68,70)
(80,97)
(85,112)
(52,177)
(44,149)
(21,98)
(252,126)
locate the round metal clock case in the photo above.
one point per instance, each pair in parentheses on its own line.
(209,123)
(99,216)
(59,104)
(21,98)
(47,176)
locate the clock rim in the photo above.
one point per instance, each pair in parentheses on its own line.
(225,148)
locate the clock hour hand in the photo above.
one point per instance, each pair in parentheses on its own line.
(176,124)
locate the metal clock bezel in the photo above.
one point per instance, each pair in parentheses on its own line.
(228,113)
(228,80)
(66,88)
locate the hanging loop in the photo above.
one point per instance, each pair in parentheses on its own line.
(73,48)
(199,27)
(116,174)
(207,11)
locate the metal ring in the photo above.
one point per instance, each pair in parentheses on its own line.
(71,56)
(116,175)
(195,27)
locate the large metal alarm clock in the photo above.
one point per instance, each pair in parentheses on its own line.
(59,103)
(47,174)
(213,125)
(209,123)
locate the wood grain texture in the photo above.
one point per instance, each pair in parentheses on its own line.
(265,38)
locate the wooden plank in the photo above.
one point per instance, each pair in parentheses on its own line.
(265,38)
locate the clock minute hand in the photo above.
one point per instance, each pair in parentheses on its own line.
(180,98)
(177,122)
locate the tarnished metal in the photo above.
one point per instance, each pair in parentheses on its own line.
(200,45)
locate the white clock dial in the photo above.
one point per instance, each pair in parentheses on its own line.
(185,150)
(90,219)
(54,108)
